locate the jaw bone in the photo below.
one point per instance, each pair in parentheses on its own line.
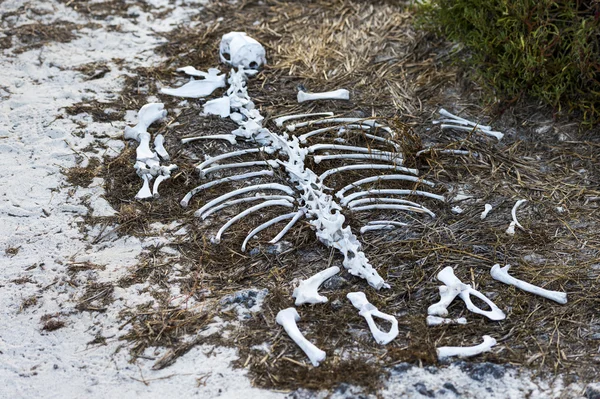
(288,318)
(466,351)
(368,310)
(306,292)
(501,274)
(197,88)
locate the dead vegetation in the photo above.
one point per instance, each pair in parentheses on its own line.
(398,74)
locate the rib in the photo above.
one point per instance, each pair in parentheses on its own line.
(391,192)
(367,228)
(228,137)
(159,179)
(264,226)
(340,193)
(287,227)
(348,129)
(282,119)
(186,200)
(242,200)
(394,158)
(337,147)
(232,154)
(497,135)
(270,162)
(352,204)
(388,206)
(388,222)
(372,123)
(440,151)
(248,211)
(367,167)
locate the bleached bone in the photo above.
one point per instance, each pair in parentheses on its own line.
(340,193)
(388,207)
(159,141)
(227,137)
(307,290)
(513,213)
(381,225)
(396,159)
(445,151)
(497,135)
(454,287)
(287,227)
(501,274)
(283,119)
(211,160)
(240,50)
(368,122)
(147,115)
(143,151)
(145,190)
(387,222)
(218,106)
(458,119)
(348,129)
(436,321)
(386,191)
(202,187)
(238,201)
(368,310)
(486,210)
(371,166)
(198,88)
(457,210)
(355,204)
(247,212)
(510,230)
(165,173)
(265,225)
(337,147)
(466,351)
(340,94)
(272,163)
(288,318)
(243,190)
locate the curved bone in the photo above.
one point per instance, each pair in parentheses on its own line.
(270,162)
(265,225)
(159,179)
(247,212)
(443,151)
(501,274)
(390,192)
(354,204)
(340,193)
(211,160)
(287,227)
(497,135)
(159,141)
(227,137)
(212,210)
(466,351)
(436,321)
(513,213)
(307,290)
(186,200)
(486,210)
(283,119)
(231,194)
(372,166)
(145,190)
(147,115)
(288,318)
(340,94)
(511,228)
(387,222)
(396,159)
(369,122)
(337,147)
(388,207)
(368,310)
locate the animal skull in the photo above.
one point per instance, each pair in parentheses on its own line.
(240,50)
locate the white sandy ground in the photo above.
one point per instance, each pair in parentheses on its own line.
(40,215)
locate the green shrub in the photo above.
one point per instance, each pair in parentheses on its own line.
(548,49)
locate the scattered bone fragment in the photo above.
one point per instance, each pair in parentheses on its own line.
(486,210)
(287,318)
(368,310)
(457,210)
(513,213)
(381,225)
(340,94)
(458,123)
(454,287)
(197,88)
(436,321)
(227,137)
(240,50)
(501,274)
(307,290)
(446,151)
(510,230)
(282,119)
(445,352)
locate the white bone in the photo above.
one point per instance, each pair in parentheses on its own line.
(368,310)
(272,163)
(349,129)
(145,190)
(247,212)
(486,210)
(466,351)
(369,122)
(218,106)
(511,228)
(353,205)
(371,166)
(307,290)
(337,147)
(340,193)
(359,194)
(454,152)
(159,141)
(265,225)
(211,160)
(243,51)
(186,200)
(147,115)
(340,94)
(288,318)
(378,227)
(159,179)
(513,213)
(458,119)
(436,321)
(228,137)
(143,151)
(287,227)
(210,74)
(386,222)
(388,207)
(457,210)
(282,119)
(257,197)
(198,88)
(396,159)
(497,135)
(243,190)
(501,274)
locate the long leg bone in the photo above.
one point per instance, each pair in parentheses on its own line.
(211,160)
(265,225)
(371,166)
(340,193)
(497,135)
(459,120)
(283,119)
(307,290)
(359,194)
(501,274)
(340,94)
(231,138)
(287,227)
(186,200)
(147,115)
(288,318)
(238,201)
(243,190)
(368,310)
(436,321)
(159,141)
(270,162)
(394,158)
(248,211)
(466,351)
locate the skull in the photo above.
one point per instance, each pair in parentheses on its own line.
(240,50)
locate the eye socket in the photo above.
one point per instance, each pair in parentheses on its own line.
(253,65)
(227,56)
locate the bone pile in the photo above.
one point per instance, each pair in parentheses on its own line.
(147,163)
